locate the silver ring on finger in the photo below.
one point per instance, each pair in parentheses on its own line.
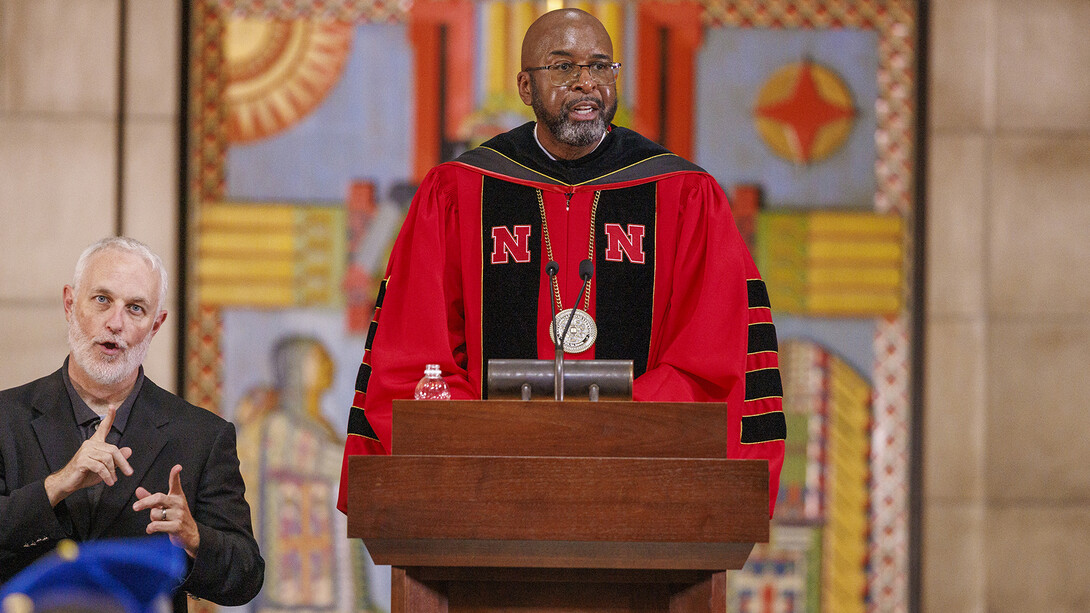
(162,514)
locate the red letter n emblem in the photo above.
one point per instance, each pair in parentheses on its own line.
(506,246)
(621,244)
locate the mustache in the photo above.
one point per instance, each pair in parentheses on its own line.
(597,102)
(110,340)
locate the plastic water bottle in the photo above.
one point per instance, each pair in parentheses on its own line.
(432,386)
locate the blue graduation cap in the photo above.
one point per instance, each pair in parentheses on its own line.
(133,575)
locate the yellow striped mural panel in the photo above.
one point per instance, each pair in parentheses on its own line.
(856,304)
(862,251)
(520,16)
(845,536)
(858,277)
(249,216)
(497,75)
(271,255)
(611,14)
(832,264)
(222,268)
(867,224)
(251,294)
(246,243)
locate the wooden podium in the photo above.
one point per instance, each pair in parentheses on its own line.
(558,506)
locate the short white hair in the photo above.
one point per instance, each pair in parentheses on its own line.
(128,245)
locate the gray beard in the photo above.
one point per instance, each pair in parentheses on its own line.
(102,369)
(570,132)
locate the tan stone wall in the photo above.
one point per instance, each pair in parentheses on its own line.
(1007,464)
(59,83)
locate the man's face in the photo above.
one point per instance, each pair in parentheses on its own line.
(579,122)
(112,317)
(575,115)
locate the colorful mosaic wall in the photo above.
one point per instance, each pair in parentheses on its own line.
(298,268)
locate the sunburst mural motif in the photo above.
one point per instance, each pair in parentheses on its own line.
(278,71)
(804,112)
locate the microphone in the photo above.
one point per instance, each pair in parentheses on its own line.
(586,271)
(551,268)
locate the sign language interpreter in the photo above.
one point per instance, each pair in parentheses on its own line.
(83,449)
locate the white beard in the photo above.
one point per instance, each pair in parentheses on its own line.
(103,369)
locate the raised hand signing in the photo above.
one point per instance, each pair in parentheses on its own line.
(170,513)
(95,461)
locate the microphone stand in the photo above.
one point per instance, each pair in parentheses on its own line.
(586,271)
(558,370)
(558,363)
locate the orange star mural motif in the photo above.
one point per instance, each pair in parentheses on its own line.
(804,112)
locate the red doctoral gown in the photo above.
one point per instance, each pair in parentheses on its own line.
(674,287)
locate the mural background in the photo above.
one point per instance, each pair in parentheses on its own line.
(311,121)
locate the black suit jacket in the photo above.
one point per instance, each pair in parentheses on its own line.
(38,436)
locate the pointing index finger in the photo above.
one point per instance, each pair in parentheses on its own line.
(105,425)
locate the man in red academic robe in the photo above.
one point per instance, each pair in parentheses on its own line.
(674,288)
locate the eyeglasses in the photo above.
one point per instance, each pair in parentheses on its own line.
(567,73)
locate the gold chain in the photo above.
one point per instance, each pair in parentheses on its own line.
(549,249)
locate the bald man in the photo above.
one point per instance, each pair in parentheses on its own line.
(673,287)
